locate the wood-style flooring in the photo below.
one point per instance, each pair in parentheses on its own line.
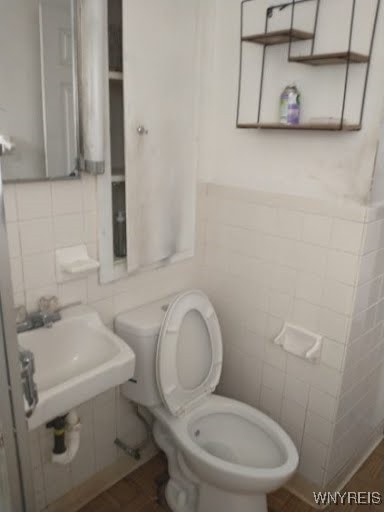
(143,490)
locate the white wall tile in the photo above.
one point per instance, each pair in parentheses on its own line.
(84,464)
(284,279)
(275,356)
(318,428)
(338,296)
(17,275)
(342,266)
(274,327)
(362,322)
(68,230)
(256,322)
(105,428)
(89,191)
(372,236)
(36,236)
(233,366)
(73,291)
(306,314)
(312,460)
(90,227)
(215,259)
(311,258)
(347,236)
(10,203)
(67,197)
(106,310)
(273,378)
(332,354)
(280,304)
(322,404)
(371,266)
(367,295)
(312,471)
(293,414)
(33,200)
(57,480)
(39,270)
(271,402)
(333,325)
(13,240)
(296,390)
(309,287)
(253,344)
(283,251)
(290,224)
(299,368)
(295,433)
(317,230)
(252,373)
(262,218)
(326,379)
(314,450)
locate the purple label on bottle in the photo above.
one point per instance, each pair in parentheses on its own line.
(293,116)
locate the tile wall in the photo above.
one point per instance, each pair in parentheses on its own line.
(40,218)
(269,258)
(262,258)
(360,413)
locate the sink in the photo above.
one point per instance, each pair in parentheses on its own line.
(76,359)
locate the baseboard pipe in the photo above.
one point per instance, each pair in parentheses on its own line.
(135,451)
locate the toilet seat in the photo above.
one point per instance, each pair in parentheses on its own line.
(174,357)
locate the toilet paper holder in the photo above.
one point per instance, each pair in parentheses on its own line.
(300,342)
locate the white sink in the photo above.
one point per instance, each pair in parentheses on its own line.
(76,359)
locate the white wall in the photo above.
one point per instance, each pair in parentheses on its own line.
(315,164)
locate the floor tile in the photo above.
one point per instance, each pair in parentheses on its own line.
(143,490)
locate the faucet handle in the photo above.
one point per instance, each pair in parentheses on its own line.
(21,314)
(49,304)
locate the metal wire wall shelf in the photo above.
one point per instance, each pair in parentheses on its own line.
(292,35)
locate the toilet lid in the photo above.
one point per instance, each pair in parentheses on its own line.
(189,352)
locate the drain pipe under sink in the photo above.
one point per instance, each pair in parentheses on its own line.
(71,433)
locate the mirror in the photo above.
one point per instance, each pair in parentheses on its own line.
(38,89)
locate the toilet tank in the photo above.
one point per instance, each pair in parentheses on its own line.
(140,328)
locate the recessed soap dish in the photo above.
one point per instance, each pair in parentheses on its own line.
(74,262)
(300,342)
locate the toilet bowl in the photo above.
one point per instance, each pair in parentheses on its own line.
(222,454)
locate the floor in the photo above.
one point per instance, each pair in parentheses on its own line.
(143,490)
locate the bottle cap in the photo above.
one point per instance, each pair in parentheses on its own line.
(120,217)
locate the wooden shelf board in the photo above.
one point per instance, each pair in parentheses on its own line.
(325,59)
(303,126)
(115,75)
(278,37)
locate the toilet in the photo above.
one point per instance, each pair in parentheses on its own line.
(223,455)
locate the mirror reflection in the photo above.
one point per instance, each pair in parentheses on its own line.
(38,103)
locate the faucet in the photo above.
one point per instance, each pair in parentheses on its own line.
(45,316)
(31,395)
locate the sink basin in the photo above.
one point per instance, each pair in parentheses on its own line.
(76,359)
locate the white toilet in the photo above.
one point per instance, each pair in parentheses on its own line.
(223,455)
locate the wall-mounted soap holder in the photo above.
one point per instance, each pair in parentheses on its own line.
(74,263)
(300,342)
